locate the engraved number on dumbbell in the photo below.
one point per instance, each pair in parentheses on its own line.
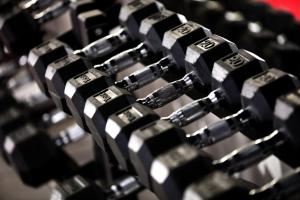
(235,61)
(207,44)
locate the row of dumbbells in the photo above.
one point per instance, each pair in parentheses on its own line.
(27,146)
(131,114)
(210,49)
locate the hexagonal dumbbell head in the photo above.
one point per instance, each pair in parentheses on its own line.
(148,142)
(77,7)
(120,126)
(153,28)
(217,186)
(260,92)
(177,40)
(230,72)
(19,39)
(41,56)
(79,88)
(177,168)
(132,14)
(93,25)
(100,106)
(287,116)
(31,153)
(200,56)
(59,72)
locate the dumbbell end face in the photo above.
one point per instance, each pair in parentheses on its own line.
(287,113)
(31,165)
(154,27)
(93,25)
(217,186)
(101,105)
(132,14)
(16,38)
(120,126)
(150,141)
(41,56)
(167,170)
(60,103)
(261,91)
(59,72)
(230,72)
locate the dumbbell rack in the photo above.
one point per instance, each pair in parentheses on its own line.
(250,133)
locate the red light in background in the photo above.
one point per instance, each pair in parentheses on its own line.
(292,6)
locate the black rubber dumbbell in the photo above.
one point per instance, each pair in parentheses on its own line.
(77,92)
(19,40)
(283,140)
(101,105)
(228,76)
(175,169)
(120,126)
(200,58)
(283,56)
(154,139)
(31,152)
(258,98)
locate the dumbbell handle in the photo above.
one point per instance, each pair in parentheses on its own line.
(52,12)
(124,187)
(147,75)
(280,189)
(124,60)
(251,154)
(69,135)
(220,130)
(170,92)
(32,5)
(105,45)
(196,109)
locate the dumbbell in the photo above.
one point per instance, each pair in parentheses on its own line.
(63,69)
(78,187)
(42,114)
(32,152)
(261,87)
(228,75)
(283,56)
(207,13)
(258,98)
(231,26)
(216,186)
(156,140)
(150,141)
(238,67)
(81,87)
(282,140)
(256,41)
(200,58)
(19,40)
